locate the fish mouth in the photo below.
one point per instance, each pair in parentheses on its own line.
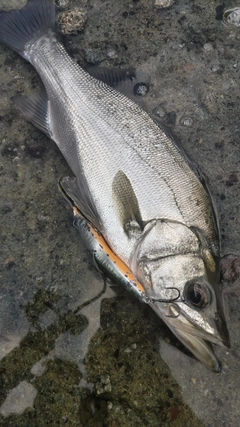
(196,339)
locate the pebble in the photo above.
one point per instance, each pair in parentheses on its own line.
(5,208)
(94,56)
(43,218)
(112,54)
(72,21)
(105,379)
(63,4)
(104,385)
(37,369)
(159,111)
(109,406)
(208,47)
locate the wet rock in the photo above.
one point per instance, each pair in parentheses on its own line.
(36,149)
(10,4)
(10,263)
(230,268)
(72,21)
(139,380)
(174,412)
(5,208)
(219,144)
(94,56)
(37,135)
(46,319)
(9,61)
(104,385)
(232,179)
(9,150)
(18,399)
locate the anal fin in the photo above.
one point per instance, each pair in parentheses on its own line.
(36,109)
(77,194)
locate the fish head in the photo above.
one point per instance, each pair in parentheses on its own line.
(181,279)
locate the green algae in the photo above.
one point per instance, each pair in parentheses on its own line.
(129,384)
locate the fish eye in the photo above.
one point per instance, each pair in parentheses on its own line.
(197,295)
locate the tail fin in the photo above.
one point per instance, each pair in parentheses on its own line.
(19,27)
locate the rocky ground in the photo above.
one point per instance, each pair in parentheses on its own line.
(74,350)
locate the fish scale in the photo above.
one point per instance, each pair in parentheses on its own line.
(126,128)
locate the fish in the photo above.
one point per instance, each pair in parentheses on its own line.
(141,206)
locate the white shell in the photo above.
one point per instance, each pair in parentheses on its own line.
(164,3)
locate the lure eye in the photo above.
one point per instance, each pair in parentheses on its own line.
(197,295)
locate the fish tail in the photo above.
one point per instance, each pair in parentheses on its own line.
(19,27)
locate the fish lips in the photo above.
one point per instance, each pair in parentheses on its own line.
(194,338)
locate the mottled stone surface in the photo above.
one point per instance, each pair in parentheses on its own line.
(59,332)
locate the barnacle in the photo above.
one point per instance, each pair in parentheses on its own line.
(232,16)
(164,3)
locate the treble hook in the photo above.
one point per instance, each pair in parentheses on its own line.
(171,300)
(178,311)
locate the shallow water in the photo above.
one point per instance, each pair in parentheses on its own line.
(74,350)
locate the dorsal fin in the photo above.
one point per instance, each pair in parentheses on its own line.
(131,82)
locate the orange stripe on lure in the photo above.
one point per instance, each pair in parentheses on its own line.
(105,257)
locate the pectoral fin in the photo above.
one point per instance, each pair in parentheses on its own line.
(126,204)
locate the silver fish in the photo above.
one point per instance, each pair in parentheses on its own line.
(140,205)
